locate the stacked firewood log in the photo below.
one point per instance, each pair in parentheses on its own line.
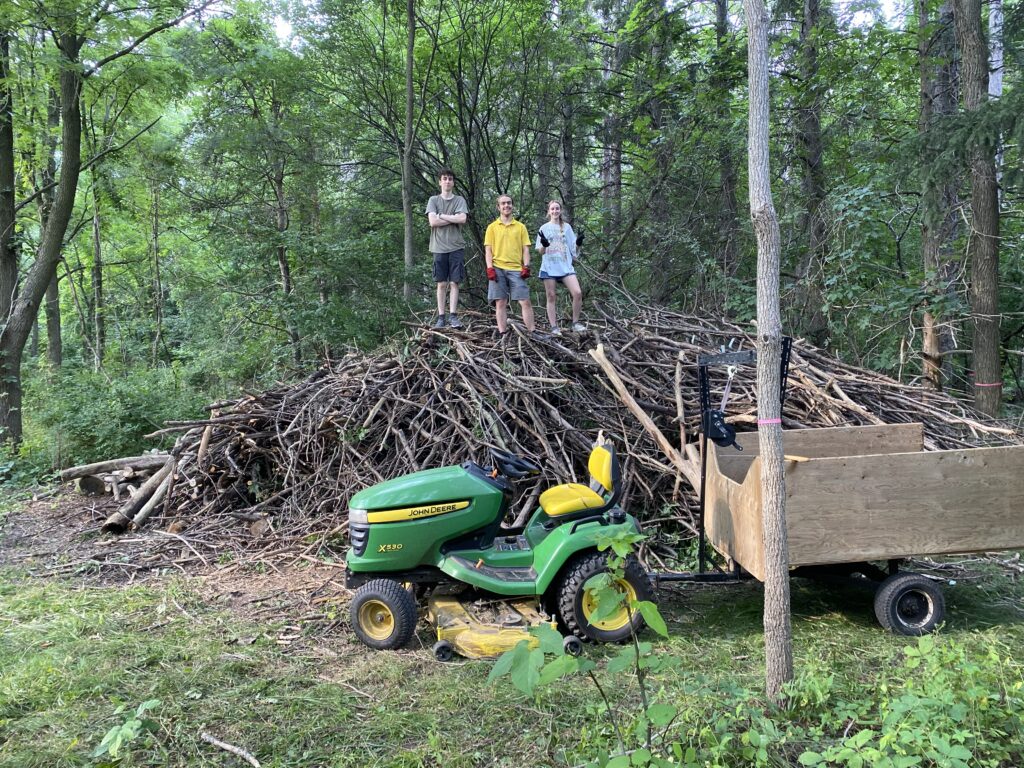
(287,460)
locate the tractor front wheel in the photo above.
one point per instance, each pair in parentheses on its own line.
(577,602)
(383,614)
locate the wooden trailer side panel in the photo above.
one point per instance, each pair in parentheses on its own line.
(868,493)
(881,507)
(733,510)
(733,501)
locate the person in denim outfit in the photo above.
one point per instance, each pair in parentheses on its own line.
(557,243)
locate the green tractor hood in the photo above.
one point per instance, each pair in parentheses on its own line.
(430,486)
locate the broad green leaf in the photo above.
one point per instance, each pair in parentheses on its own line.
(550,640)
(625,659)
(560,666)
(504,663)
(652,616)
(661,714)
(526,666)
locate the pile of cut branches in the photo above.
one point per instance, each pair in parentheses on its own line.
(287,461)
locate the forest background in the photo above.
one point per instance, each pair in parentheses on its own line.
(208,198)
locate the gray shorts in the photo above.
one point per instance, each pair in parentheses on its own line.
(450,267)
(509,285)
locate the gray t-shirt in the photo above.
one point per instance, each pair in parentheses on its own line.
(449,238)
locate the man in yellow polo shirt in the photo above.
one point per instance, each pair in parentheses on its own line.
(507,251)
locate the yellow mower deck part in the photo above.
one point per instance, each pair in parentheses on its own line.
(476,639)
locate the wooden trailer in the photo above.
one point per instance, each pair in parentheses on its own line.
(857,495)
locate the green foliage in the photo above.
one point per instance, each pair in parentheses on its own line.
(938,705)
(125,734)
(78,416)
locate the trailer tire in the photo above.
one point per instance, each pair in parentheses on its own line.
(383,614)
(575,603)
(909,604)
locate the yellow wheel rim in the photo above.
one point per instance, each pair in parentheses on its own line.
(376,619)
(617,620)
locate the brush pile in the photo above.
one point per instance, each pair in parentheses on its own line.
(286,461)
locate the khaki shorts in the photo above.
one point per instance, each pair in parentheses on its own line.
(509,285)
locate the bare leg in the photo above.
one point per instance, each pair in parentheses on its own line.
(549,292)
(527,314)
(501,314)
(441,288)
(453,297)
(573,284)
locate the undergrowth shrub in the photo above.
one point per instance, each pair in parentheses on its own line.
(75,416)
(938,702)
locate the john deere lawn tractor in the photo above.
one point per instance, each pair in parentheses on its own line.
(438,534)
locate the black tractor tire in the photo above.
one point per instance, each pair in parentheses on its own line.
(443,650)
(383,614)
(574,602)
(909,604)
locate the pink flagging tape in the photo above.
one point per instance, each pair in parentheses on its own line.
(768,421)
(994,384)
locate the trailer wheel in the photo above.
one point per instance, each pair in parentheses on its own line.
(576,603)
(909,604)
(383,614)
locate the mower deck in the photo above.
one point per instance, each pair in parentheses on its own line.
(483,628)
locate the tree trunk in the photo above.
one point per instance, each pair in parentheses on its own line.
(813,322)
(51,305)
(54,344)
(283,265)
(778,638)
(158,288)
(99,329)
(729,225)
(9,251)
(940,200)
(407,191)
(983,242)
(23,313)
(568,160)
(995,76)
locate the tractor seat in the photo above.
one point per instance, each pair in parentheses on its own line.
(574,497)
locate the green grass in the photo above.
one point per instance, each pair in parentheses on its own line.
(71,655)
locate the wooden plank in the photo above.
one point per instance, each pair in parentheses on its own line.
(733,508)
(843,441)
(880,507)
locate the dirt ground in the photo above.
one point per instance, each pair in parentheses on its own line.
(298,599)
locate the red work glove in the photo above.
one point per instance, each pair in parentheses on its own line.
(524,272)
(492,274)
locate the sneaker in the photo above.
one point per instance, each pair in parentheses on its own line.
(440,322)
(556,331)
(579,327)
(453,321)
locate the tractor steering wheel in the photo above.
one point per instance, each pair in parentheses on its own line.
(513,466)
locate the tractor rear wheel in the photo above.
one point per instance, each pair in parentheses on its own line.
(383,614)
(577,602)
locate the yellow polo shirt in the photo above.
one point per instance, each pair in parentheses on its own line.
(507,241)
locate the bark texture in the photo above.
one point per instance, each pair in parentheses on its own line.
(777,630)
(983,242)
